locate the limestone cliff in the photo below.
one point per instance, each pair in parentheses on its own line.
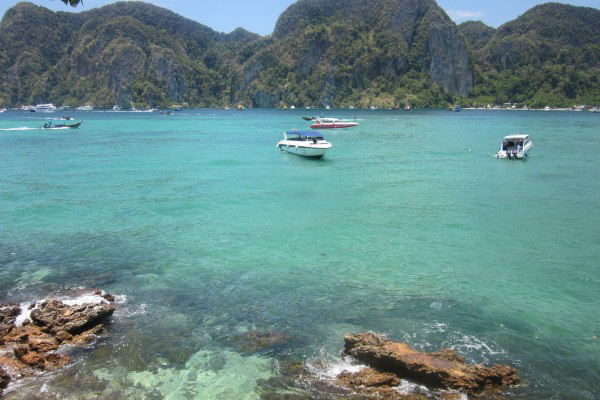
(129,53)
(341,48)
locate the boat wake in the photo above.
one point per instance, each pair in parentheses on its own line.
(21,128)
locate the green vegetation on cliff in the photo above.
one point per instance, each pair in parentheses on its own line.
(381,53)
(129,53)
(477,33)
(548,56)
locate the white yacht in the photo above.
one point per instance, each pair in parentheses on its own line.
(515,147)
(117,108)
(304,143)
(45,107)
(85,108)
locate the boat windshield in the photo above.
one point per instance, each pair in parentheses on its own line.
(303,137)
(512,144)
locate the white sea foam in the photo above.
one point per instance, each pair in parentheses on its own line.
(25,312)
(407,387)
(84,299)
(328,367)
(21,128)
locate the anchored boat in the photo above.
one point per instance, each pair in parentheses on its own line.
(332,123)
(515,147)
(304,143)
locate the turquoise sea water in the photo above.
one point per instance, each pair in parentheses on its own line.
(409,226)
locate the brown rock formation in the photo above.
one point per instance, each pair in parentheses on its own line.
(8,314)
(4,379)
(54,316)
(368,378)
(444,369)
(35,344)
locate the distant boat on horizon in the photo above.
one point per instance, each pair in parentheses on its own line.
(45,107)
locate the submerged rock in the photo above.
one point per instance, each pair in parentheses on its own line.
(34,343)
(253,341)
(444,369)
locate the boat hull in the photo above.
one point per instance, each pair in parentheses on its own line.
(334,125)
(515,155)
(63,126)
(315,151)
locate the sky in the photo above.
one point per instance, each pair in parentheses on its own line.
(260,16)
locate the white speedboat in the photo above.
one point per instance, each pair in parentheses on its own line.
(332,123)
(304,143)
(515,147)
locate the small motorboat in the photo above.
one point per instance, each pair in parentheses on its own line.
(309,118)
(515,147)
(332,123)
(304,143)
(61,123)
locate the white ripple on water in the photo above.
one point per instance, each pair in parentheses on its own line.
(472,347)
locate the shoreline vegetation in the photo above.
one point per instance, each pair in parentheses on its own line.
(171,111)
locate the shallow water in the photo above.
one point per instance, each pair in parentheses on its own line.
(409,226)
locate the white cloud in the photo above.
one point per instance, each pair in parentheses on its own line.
(461,15)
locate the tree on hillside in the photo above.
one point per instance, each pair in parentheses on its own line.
(72,3)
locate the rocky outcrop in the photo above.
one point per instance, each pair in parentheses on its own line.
(4,379)
(33,344)
(444,369)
